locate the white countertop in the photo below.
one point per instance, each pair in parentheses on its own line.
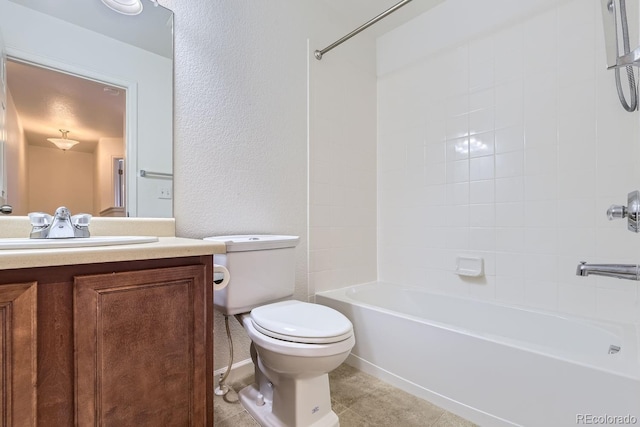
(167,246)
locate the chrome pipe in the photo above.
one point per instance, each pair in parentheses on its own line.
(318,53)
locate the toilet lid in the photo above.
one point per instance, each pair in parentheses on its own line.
(302,322)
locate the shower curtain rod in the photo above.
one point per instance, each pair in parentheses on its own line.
(318,53)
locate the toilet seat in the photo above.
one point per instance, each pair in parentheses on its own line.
(301,322)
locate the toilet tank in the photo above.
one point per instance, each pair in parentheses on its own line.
(261,270)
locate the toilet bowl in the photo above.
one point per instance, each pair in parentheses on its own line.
(294,344)
(292,384)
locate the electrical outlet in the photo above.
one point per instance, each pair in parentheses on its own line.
(164,192)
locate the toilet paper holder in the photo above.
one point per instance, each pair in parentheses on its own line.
(221,277)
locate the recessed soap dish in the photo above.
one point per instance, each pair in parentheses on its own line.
(470,266)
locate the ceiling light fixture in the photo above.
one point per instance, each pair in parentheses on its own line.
(125,7)
(63,143)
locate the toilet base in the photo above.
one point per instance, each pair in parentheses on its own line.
(250,395)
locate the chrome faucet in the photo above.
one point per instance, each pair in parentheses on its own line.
(620,271)
(59,226)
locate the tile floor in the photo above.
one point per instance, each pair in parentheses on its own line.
(359,399)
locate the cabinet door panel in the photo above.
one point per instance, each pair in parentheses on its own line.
(55,352)
(18,359)
(140,357)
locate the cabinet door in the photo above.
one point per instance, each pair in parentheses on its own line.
(18,367)
(140,348)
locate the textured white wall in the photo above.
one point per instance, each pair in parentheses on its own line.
(240,115)
(508,143)
(240,128)
(240,151)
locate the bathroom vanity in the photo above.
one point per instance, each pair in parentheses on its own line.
(112,335)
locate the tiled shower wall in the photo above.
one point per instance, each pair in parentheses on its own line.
(507,143)
(342,165)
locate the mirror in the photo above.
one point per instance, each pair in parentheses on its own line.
(69,49)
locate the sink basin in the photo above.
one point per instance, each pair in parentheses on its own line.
(25,243)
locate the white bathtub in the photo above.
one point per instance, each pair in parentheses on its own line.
(494,364)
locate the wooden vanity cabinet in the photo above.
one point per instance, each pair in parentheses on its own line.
(112,344)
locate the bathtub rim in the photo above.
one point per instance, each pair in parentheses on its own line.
(630,332)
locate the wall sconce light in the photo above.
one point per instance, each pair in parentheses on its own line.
(63,143)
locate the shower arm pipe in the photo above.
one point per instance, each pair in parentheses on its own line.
(318,53)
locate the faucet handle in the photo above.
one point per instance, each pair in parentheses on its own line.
(39,219)
(631,211)
(616,211)
(81,220)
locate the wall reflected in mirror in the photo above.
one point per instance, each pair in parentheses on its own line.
(41,102)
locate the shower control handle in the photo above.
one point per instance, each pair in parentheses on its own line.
(616,211)
(631,211)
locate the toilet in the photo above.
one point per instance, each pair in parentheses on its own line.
(294,344)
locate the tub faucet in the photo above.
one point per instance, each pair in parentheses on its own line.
(59,226)
(620,271)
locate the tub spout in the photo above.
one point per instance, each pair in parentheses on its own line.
(620,271)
